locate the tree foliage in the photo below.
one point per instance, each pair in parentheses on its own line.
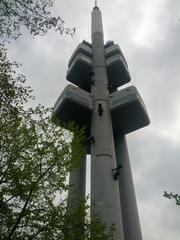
(90,229)
(34,15)
(35,159)
(171,195)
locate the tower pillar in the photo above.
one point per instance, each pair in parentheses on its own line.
(131,224)
(104,190)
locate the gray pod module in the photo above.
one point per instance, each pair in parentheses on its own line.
(79,71)
(74,104)
(113,50)
(80,67)
(118,73)
(81,48)
(128,111)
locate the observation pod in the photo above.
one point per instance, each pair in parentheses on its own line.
(80,66)
(128,111)
(84,48)
(74,104)
(79,71)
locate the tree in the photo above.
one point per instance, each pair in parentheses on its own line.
(34,15)
(176,197)
(35,159)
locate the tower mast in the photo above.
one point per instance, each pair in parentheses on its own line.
(104,190)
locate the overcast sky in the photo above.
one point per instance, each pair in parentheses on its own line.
(148,32)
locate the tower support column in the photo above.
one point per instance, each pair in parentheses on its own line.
(77,185)
(131,223)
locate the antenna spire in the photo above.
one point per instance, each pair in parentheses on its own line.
(95,3)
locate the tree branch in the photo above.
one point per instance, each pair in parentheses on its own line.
(37,233)
(4,173)
(32,10)
(10,9)
(21,215)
